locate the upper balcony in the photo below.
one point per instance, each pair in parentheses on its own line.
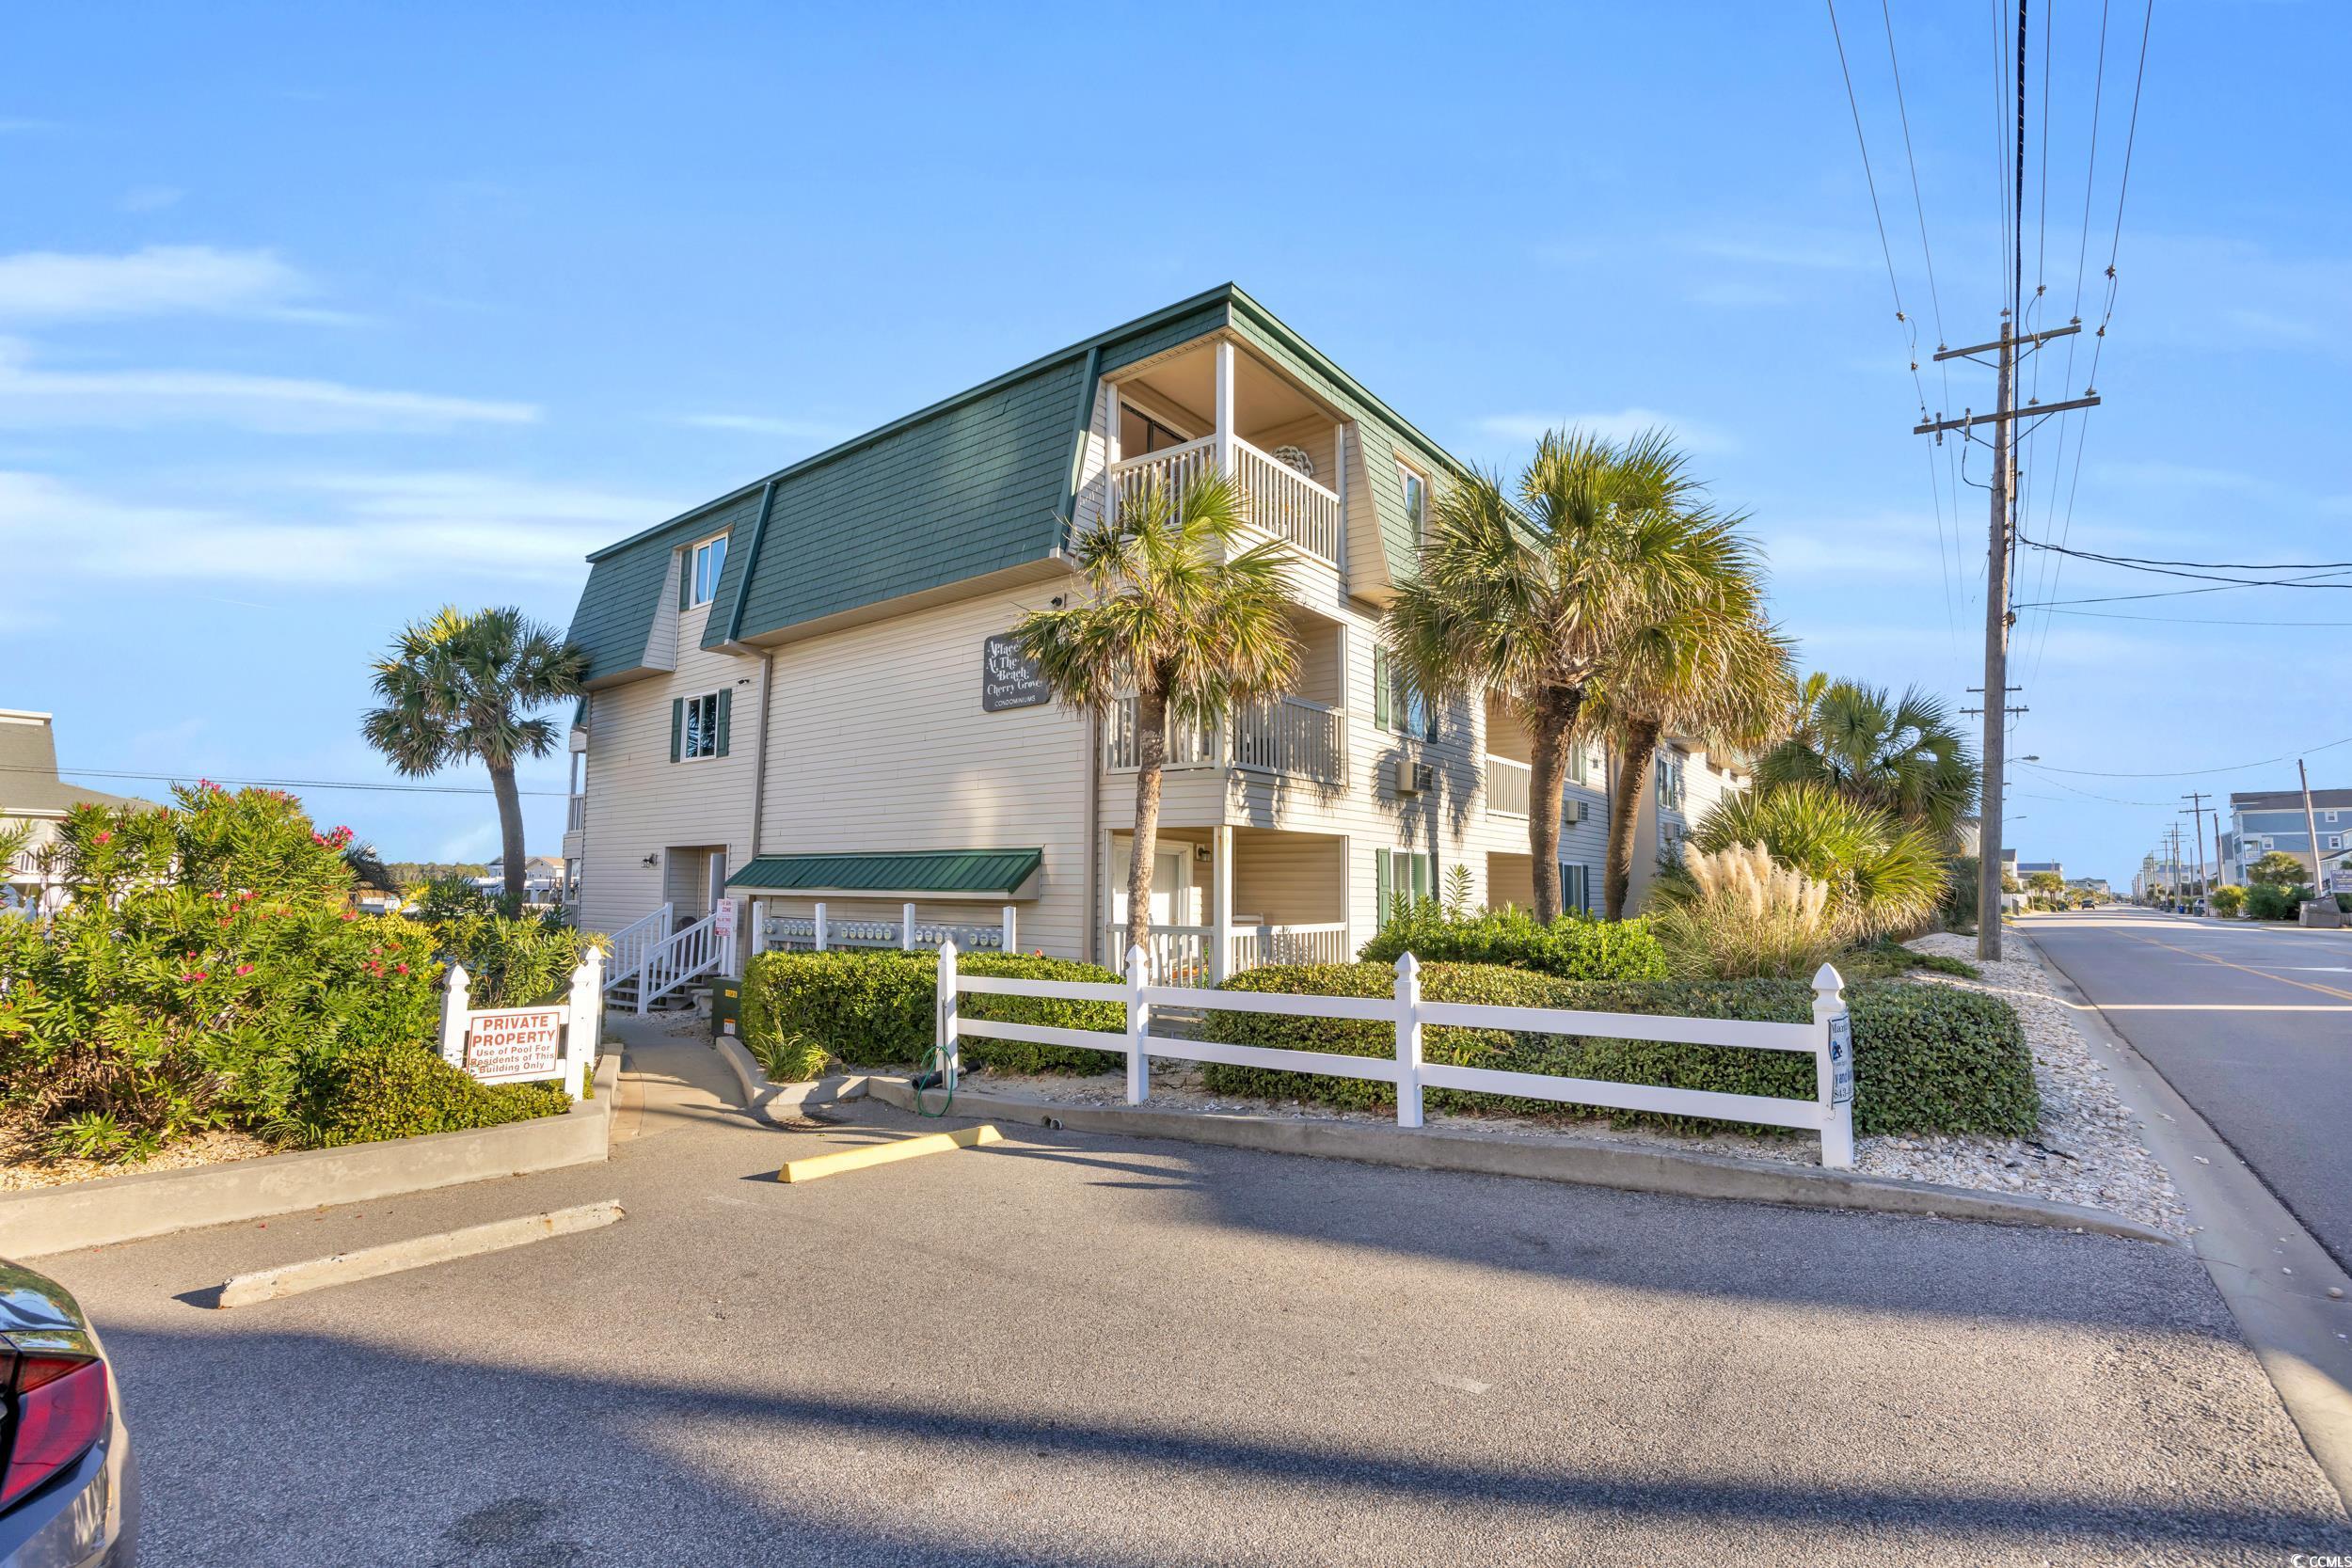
(1299,735)
(1212,407)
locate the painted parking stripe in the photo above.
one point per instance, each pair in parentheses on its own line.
(841,1159)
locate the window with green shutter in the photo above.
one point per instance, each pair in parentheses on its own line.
(699,726)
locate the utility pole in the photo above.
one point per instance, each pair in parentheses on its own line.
(2196,798)
(2001,540)
(2311,825)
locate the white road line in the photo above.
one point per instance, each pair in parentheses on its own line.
(2206,1006)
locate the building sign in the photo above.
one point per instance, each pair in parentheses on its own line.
(1008,680)
(1841,1059)
(514,1044)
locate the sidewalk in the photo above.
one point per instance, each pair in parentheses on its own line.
(671,1077)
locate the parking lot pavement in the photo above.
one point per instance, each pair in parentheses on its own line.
(1072,1350)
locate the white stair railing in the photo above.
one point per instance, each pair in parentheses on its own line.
(692,950)
(633,941)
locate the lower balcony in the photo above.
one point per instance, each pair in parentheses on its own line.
(1225,899)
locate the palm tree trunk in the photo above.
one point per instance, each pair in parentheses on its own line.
(1624,811)
(1150,757)
(1550,717)
(510,827)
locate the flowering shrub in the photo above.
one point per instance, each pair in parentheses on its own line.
(513,958)
(206,949)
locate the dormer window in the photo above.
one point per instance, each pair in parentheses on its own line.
(709,559)
(1416,488)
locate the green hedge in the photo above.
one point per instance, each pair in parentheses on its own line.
(875,1009)
(367,1092)
(1573,947)
(1927,1059)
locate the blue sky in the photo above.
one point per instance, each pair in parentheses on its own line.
(314,319)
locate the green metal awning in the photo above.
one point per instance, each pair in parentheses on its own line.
(933,873)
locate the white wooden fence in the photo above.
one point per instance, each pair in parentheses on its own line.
(521,1045)
(1829,1038)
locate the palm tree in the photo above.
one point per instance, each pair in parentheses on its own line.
(1902,755)
(1716,669)
(1538,599)
(1174,614)
(459,686)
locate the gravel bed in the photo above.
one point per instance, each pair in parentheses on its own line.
(22,1165)
(2087,1153)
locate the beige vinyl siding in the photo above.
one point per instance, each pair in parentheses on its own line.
(876,742)
(642,803)
(1311,434)
(1289,878)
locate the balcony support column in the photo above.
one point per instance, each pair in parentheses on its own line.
(1224,433)
(1221,903)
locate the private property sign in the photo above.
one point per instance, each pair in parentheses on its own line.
(514,1045)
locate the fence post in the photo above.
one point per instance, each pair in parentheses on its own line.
(1407,1041)
(586,1005)
(1834,1068)
(1139,1027)
(454,1002)
(906,927)
(1006,941)
(950,1047)
(820,925)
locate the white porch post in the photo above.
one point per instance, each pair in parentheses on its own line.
(1008,938)
(1224,433)
(453,1004)
(820,925)
(906,927)
(1221,905)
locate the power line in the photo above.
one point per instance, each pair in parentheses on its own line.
(2176,621)
(2179,592)
(2187,772)
(377,787)
(2151,561)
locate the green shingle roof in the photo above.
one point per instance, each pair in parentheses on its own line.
(973,484)
(972,872)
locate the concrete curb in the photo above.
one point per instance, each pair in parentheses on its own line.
(113,1209)
(416,1252)
(775,1103)
(2245,1238)
(1547,1158)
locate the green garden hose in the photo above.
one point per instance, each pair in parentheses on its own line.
(933,1076)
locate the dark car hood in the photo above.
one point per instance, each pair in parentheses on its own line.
(33,1300)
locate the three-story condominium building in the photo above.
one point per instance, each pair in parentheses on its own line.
(2262,821)
(804,692)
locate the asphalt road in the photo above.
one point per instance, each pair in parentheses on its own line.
(2251,1023)
(1072,1350)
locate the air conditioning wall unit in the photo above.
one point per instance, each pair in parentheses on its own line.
(1413,775)
(1571,812)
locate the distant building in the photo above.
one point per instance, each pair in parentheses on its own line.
(2097,885)
(2262,821)
(543,878)
(32,794)
(2024,871)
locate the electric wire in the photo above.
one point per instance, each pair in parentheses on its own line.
(2186,772)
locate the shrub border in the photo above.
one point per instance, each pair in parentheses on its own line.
(110,1208)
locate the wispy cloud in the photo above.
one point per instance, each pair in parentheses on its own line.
(767,424)
(34,397)
(443,528)
(19,125)
(47,285)
(1693,435)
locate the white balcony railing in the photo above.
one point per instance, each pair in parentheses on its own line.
(1287,736)
(1179,955)
(576,814)
(1276,497)
(1510,786)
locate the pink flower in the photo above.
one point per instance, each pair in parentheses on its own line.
(245,969)
(348,915)
(103,837)
(403,969)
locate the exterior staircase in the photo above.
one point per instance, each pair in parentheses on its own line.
(655,959)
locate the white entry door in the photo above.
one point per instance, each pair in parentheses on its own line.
(1170,877)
